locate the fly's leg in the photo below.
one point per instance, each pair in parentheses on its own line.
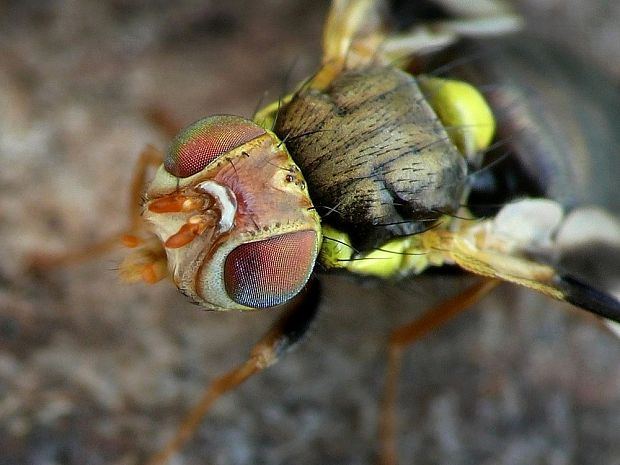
(406,335)
(351,37)
(164,121)
(434,36)
(474,18)
(149,157)
(285,333)
(354,35)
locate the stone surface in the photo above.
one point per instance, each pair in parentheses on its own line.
(93,371)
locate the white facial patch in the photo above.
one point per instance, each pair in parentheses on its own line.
(225,198)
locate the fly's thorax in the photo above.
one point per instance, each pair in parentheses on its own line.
(378,161)
(240,231)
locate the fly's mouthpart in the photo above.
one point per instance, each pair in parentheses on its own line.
(176,203)
(215,207)
(195,226)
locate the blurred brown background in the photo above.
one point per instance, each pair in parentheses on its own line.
(93,371)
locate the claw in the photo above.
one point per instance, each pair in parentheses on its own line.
(147,263)
(130,241)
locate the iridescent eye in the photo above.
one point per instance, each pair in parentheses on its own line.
(270,272)
(202,142)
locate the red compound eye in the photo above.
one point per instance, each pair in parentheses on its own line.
(202,142)
(266,273)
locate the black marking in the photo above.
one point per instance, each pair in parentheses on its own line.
(588,298)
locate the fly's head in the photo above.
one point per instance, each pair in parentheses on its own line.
(233,213)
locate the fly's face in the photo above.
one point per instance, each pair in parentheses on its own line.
(234,216)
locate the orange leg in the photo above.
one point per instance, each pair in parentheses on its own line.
(164,121)
(405,335)
(149,157)
(285,332)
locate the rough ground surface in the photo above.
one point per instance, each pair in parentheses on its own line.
(95,372)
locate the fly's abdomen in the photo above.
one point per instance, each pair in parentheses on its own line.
(377,160)
(557,120)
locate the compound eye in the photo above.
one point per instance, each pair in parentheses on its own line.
(270,272)
(205,140)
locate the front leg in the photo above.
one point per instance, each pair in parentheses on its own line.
(287,331)
(471,19)
(150,157)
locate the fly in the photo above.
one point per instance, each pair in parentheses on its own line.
(364,169)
